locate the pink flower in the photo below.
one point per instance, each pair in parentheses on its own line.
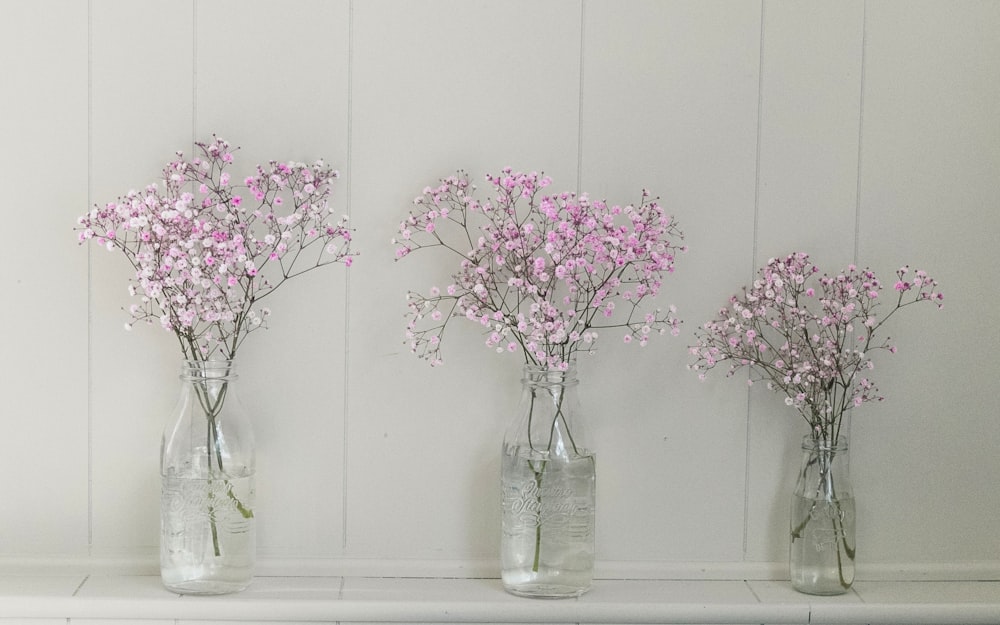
(193,256)
(819,353)
(521,242)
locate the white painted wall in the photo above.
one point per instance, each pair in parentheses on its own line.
(856,131)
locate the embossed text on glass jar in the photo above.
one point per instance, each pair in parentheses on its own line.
(207,466)
(548,485)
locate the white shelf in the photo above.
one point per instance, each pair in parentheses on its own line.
(96,598)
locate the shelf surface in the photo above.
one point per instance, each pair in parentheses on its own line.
(95,598)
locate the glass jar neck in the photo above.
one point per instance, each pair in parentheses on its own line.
(812,442)
(208,370)
(542,376)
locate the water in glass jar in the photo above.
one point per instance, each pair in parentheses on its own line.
(207,534)
(548,523)
(822,549)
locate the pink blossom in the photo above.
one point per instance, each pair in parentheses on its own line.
(539,263)
(185,251)
(818,357)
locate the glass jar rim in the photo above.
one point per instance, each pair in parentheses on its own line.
(215,369)
(545,375)
(811,442)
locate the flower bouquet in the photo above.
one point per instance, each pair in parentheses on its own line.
(811,337)
(542,275)
(206,252)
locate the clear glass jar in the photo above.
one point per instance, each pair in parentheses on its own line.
(207,466)
(548,485)
(821,557)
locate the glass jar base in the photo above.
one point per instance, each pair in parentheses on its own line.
(202,580)
(206,587)
(821,591)
(545,591)
(546,585)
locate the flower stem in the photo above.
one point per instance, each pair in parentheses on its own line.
(212,436)
(212,407)
(557,393)
(538,526)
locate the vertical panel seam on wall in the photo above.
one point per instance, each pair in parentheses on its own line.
(753,262)
(579,109)
(194,72)
(90,289)
(347,279)
(861,125)
(760,106)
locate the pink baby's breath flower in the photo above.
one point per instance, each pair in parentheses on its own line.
(185,250)
(538,264)
(810,318)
